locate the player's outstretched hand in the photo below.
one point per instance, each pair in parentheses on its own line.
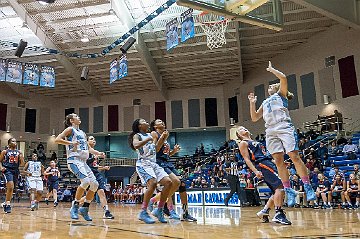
(270,68)
(252,98)
(258,174)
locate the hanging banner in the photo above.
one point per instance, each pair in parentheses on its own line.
(31,74)
(172,37)
(3,69)
(14,72)
(114,71)
(47,77)
(123,67)
(187,25)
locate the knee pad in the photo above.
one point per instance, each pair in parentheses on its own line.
(93,185)
(85,183)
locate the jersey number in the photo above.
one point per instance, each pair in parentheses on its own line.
(13,159)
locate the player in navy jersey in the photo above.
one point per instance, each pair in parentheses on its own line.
(93,163)
(352,192)
(163,154)
(34,170)
(77,151)
(322,191)
(148,170)
(281,136)
(10,160)
(53,176)
(338,190)
(259,161)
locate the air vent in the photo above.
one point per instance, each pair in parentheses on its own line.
(136,101)
(21,104)
(329,61)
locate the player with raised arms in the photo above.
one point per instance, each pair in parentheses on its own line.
(149,171)
(77,151)
(281,136)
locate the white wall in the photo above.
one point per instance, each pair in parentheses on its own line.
(308,57)
(339,41)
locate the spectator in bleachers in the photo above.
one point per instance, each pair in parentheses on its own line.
(310,163)
(67,195)
(223,183)
(213,183)
(352,192)
(322,151)
(298,186)
(307,143)
(192,185)
(337,171)
(204,183)
(350,150)
(338,190)
(356,171)
(301,144)
(322,191)
(197,168)
(338,120)
(334,150)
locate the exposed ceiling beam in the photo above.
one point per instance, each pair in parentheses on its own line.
(343,11)
(238,43)
(124,14)
(68,65)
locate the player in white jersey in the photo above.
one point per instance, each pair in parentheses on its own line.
(281,136)
(149,171)
(77,151)
(34,170)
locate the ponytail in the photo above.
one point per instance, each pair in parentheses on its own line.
(67,122)
(289,95)
(135,130)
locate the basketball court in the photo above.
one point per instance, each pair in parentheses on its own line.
(184,60)
(213,222)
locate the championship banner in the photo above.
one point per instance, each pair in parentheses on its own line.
(187,25)
(123,67)
(172,37)
(47,77)
(14,72)
(113,71)
(3,69)
(31,74)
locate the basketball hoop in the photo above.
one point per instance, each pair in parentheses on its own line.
(214,29)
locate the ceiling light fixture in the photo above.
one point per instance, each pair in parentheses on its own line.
(45,2)
(85,38)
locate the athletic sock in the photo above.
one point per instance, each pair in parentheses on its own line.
(185,208)
(161,204)
(305,180)
(144,206)
(286,184)
(277,209)
(106,208)
(75,203)
(153,200)
(86,204)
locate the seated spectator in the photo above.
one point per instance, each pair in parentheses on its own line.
(67,195)
(352,192)
(337,190)
(322,151)
(350,150)
(310,163)
(204,183)
(334,171)
(356,171)
(322,191)
(198,182)
(115,195)
(213,183)
(197,168)
(192,185)
(298,186)
(301,144)
(223,183)
(242,180)
(334,150)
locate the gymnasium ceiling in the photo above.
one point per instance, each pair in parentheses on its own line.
(61,24)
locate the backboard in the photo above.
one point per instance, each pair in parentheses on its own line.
(263,13)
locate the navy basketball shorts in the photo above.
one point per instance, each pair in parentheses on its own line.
(53,185)
(101,180)
(11,175)
(168,167)
(269,172)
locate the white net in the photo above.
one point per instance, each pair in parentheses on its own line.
(215,32)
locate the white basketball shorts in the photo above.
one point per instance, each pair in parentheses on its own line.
(281,137)
(35,183)
(148,170)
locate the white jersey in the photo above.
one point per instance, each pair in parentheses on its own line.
(82,150)
(275,110)
(34,168)
(148,151)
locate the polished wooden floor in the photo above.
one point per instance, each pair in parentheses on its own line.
(213,222)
